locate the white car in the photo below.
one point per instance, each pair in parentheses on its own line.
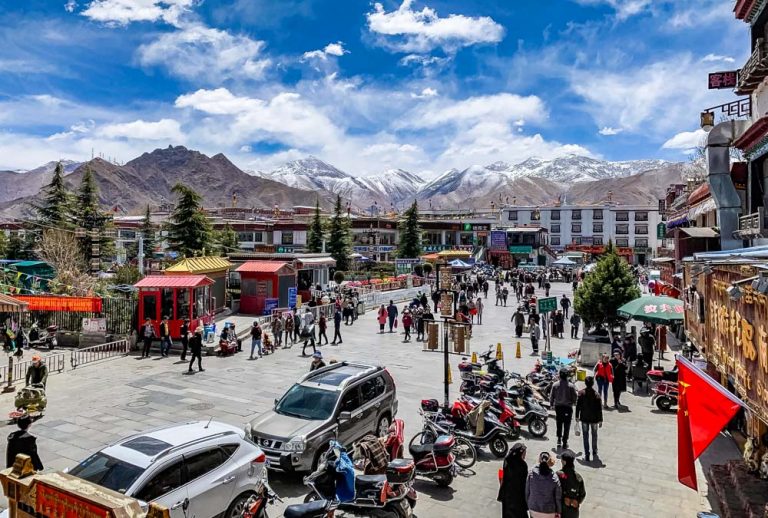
(204,469)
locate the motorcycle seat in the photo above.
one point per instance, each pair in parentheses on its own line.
(420,449)
(308,510)
(365,482)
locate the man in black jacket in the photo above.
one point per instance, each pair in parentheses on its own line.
(562,399)
(196,348)
(21,441)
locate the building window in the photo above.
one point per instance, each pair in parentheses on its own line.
(641,243)
(554,240)
(622,242)
(555,228)
(597,227)
(535,215)
(529,239)
(641,229)
(258,237)
(575,227)
(622,215)
(245,236)
(622,229)
(576,240)
(286,238)
(128,234)
(576,214)
(641,216)
(597,240)
(555,215)
(512,215)
(597,214)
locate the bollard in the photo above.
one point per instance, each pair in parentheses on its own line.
(518,352)
(9,382)
(450,377)
(499,352)
(474,357)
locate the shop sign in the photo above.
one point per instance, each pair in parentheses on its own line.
(381,249)
(292,292)
(94,325)
(520,249)
(446,304)
(440,248)
(283,249)
(661,230)
(498,240)
(270,305)
(61,303)
(50,501)
(476,227)
(446,278)
(722,80)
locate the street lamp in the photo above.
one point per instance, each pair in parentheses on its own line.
(707,120)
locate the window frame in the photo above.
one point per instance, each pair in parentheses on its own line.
(188,458)
(575,214)
(150,482)
(555,228)
(623,218)
(554,215)
(641,230)
(379,389)
(574,229)
(597,227)
(554,240)
(622,242)
(356,388)
(597,214)
(622,229)
(510,215)
(641,216)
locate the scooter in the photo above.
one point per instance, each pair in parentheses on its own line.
(665,395)
(29,401)
(256,505)
(50,338)
(455,422)
(376,496)
(434,459)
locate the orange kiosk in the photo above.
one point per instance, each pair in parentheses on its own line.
(177,297)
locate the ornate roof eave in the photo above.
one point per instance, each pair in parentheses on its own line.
(747,10)
(753,135)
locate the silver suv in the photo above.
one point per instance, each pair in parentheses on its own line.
(345,401)
(202,469)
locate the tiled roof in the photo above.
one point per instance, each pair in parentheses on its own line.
(173,281)
(200,265)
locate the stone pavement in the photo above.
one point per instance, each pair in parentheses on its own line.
(97,404)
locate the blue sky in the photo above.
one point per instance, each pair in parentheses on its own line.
(367,86)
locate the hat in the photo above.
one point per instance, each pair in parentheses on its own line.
(567,454)
(36,358)
(255,323)
(317,354)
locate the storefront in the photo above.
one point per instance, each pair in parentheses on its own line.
(264,286)
(215,268)
(177,297)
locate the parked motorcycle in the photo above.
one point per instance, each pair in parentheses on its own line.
(665,395)
(50,338)
(658,375)
(256,505)
(377,496)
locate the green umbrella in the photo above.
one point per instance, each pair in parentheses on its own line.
(660,310)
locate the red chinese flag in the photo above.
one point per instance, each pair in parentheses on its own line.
(704,409)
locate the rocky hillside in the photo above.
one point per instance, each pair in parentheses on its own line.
(19,184)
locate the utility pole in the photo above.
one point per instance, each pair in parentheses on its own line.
(140,257)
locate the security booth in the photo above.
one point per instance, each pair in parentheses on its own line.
(177,297)
(264,286)
(215,268)
(312,270)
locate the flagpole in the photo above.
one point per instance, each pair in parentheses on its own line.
(712,383)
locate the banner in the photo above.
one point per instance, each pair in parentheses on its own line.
(61,303)
(498,240)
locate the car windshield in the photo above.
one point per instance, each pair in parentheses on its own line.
(307,403)
(107,472)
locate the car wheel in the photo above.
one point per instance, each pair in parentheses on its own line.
(382,429)
(237,506)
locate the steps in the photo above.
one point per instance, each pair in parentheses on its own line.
(738,493)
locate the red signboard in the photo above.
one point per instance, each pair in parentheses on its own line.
(722,80)
(61,303)
(54,502)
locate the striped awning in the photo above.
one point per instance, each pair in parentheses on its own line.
(10,305)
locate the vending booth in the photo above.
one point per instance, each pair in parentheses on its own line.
(177,297)
(264,285)
(215,268)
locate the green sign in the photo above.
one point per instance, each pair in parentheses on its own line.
(521,249)
(284,249)
(661,230)
(547,305)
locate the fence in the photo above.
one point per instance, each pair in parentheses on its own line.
(120,313)
(99,352)
(56,363)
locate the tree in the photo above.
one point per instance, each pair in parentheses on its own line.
(227,240)
(148,232)
(410,234)
(93,220)
(338,277)
(338,244)
(55,210)
(15,248)
(3,244)
(126,274)
(315,232)
(189,231)
(427,268)
(62,250)
(609,286)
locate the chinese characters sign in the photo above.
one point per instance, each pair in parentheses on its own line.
(661,309)
(723,80)
(498,240)
(54,502)
(62,303)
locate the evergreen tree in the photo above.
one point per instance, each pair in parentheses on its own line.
(189,231)
(147,230)
(55,210)
(21,247)
(96,223)
(410,234)
(338,243)
(606,288)
(315,232)
(3,244)
(227,240)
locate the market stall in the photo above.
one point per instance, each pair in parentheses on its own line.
(264,286)
(215,268)
(177,297)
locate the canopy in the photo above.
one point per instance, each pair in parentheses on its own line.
(458,263)
(564,261)
(9,304)
(660,310)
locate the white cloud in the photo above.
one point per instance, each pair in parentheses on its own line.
(624,8)
(709,58)
(123,12)
(389,148)
(505,108)
(204,54)
(686,140)
(332,49)
(70,6)
(609,132)
(407,30)
(422,60)
(164,129)
(426,93)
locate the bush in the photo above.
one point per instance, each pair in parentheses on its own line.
(427,268)
(419,270)
(338,277)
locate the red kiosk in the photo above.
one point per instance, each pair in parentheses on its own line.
(264,285)
(177,297)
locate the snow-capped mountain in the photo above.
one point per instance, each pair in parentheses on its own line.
(20,183)
(575,168)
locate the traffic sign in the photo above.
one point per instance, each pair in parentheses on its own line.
(547,305)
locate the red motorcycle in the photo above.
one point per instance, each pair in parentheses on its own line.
(256,505)
(665,395)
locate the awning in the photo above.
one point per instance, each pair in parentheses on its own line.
(265,267)
(199,265)
(315,262)
(174,281)
(677,222)
(700,232)
(702,208)
(10,305)
(663,260)
(564,261)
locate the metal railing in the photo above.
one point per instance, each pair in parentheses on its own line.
(56,364)
(752,224)
(99,352)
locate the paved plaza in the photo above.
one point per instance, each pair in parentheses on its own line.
(97,404)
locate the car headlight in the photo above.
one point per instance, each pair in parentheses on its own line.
(247,429)
(296,444)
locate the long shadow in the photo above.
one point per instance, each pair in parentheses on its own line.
(288,484)
(435,492)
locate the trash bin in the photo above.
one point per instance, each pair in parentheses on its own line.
(360,308)
(581,374)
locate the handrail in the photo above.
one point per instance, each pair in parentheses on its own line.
(99,352)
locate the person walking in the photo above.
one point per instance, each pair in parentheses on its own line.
(322,324)
(407,323)
(504,295)
(575,323)
(392,316)
(147,334)
(184,339)
(289,322)
(518,320)
(535,335)
(558,324)
(565,303)
(498,293)
(37,372)
(479,309)
(542,489)
(382,318)
(647,345)
(512,489)
(604,377)
(165,338)
(196,348)
(589,413)
(619,385)
(336,327)
(562,399)
(21,442)
(296,325)
(436,299)
(255,339)
(277,329)
(547,287)
(572,486)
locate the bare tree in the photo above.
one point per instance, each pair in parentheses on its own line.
(61,249)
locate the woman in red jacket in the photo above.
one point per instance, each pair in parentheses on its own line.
(604,377)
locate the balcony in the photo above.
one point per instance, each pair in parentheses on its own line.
(753,225)
(755,69)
